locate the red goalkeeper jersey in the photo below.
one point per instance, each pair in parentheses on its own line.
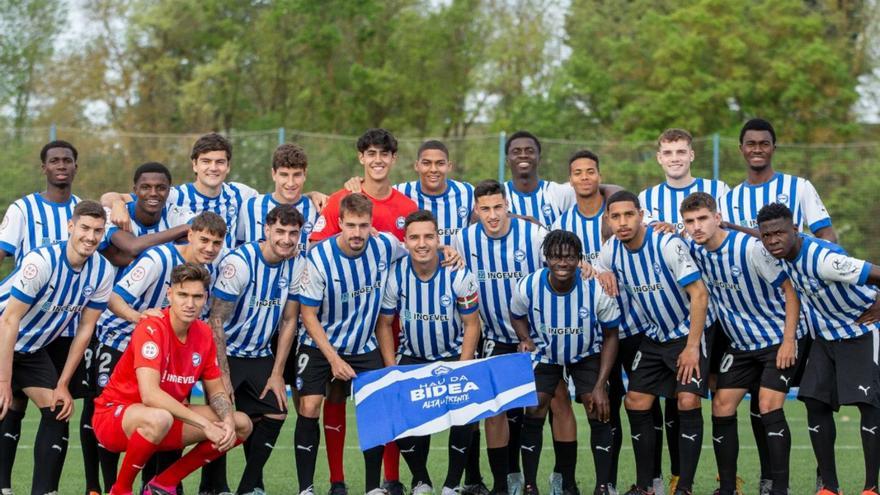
(388,214)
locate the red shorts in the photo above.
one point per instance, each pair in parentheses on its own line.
(107,424)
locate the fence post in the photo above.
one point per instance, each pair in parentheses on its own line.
(281,136)
(716,165)
(502,137)
(53,132)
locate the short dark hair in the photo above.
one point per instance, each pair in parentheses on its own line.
(419,216)
(623,197)
(757,125)
(675,134)
(699,200)
(356,203)
(89,208)
(577,155)
(211,142)
(190,272)
(289,155)
(432,144)
(285,215)
(521,134)
(488,187)
(210,222)
(57,144)
(152,168)
(380,138)
(556,240)
(774,211)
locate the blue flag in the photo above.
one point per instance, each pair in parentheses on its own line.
(404,401)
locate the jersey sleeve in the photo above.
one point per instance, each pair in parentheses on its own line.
(765,265)
(606,255)
(233,276)
(327,224)
(836,267)
(313,284)
(467,294)
(99,298)
(815,214)
(607,310)
(295,287)
(678,258)
(146,345)
(244,221)
(391,296)
(247,192)
(31,277)
(137,278)
(538,241)
(723,189)
(12,229)
(519,302)
(176,216)
(563,195)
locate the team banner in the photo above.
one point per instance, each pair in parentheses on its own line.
(403,401)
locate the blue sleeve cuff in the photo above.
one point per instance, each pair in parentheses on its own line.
(224,295)
(821,224)
(21,296)
(863,276)
(781,278)
(689,279)
(516,316)
(9,248)
(606,325)
(100,306)
(387,311)
(124,294)
(309,301)
(469,310)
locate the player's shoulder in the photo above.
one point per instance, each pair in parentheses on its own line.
(385,239)
(823,246)
(240,188)
(401,202)
(202,331)
(155,327)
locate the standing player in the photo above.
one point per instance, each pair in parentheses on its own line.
(340,298)
(658,272)
(251,304)
(576,328)
(759,311)
(500,250)
(439,322)
(52,286)
(143,409)
(836,293)
(529,195)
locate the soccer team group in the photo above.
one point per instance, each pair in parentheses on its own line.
(687,287)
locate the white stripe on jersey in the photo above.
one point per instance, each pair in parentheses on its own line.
(172,216)
(452,209)
(254,211)
(31,222)
(56,293)
(544,204)
(260,291)
(632,321)
(662,202)
(741,205)
(568,326)
(743,280)
(227,204)
(498,265)
(588,230)
(430,317)
(348,291)
(832,290)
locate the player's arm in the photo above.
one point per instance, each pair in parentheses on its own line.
(520,325)
(286,336)
(84,330)
(131,246)
(472,331)
(219,401)
(739,228)
(600,404)
(827,233)
(118,210)
(221,310)
(309,316)
(519,312)
(10,323)
(689,360)
(319,198)
(385,337)
(787,353)
(608,190)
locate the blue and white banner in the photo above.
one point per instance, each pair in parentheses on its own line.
(404,401)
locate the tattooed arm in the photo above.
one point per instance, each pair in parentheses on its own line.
(220,312)
(219,401)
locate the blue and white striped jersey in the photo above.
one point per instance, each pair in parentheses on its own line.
(227,204)
(662,202)
(260,291)
(654,276)
(632,321)
(452,209)
(430,311)
(31,222)
(569,327)
(545,204)
(498,265)
(588,230)
(56,293)
(743,281)
(348,291)
(742,204)
(250,219)
(832,289)
(172,216)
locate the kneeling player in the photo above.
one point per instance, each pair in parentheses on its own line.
(143,410)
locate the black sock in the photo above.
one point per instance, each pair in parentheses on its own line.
(89,447)
(498,465)
(616,437)
(725,441)
(413,450)
(472,474)
(459,453)
(214,476)
(690,445)
(161,461)
(532,441)
(870,443)
(601,445)
(566,462)
(673,425)
(657,418)
(10,432)
(760,436)
(259,448)
(50,448)
(306,438)
(109,466)
(641,426)
(823,434)
(373,467)
(779,448)
(514,424)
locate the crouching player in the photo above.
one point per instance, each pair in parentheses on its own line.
(143,410)
(575,324)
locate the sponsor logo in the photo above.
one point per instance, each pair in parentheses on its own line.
(181,379)
(483,275)
(408,315)
(348,296)
(441,370)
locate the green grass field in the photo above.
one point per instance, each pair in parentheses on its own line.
(280,474)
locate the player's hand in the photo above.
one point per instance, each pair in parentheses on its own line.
(599,403)
(228,427)
(5,398)
(663,227)
(871,315)
(275,384)
(688,364)
(526,346)
(786,354)
(587,270)
(354,184)
(61,397)
(319,198)
(119,216)
(608,281)
(155,312)
(341,370)
(374,232)
(451,258)
(215,433)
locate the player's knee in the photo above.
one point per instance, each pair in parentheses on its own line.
(243,425)
(310,406)
(561,406)
(638,402)
(687,401)
(155,424)
(723,405)
(538,411)
(770,401)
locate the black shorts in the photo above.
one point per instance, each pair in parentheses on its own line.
(314,373)
(491,348)
(717,342)
(626,352)
(751,369)
(843,372)
(584,374)
(655,365)
(34,369)
(805,343)
(249,377)
(58,350)
(100,366)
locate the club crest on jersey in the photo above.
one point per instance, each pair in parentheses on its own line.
(232,211)
(735,271)
(282,282)
(462,213)
(88,290)
(519,255)
(320,223)
(381,266)
(583,313)
(445,300)
(299,383)
(103,380)
(782,198)
(547,210)
(657,268)
(307,227)
(400,222)
(196,359)
(149,350)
